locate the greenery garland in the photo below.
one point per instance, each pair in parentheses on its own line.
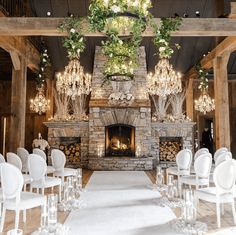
(122,54)
(162,35)
(74,42)
(202,75)
(44,62)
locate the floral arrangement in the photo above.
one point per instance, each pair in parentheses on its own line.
(162,36)
(74,42)
(121,99)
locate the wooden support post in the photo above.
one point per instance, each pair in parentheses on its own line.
(49,95)
(189,99)
(18,106)
(221,101)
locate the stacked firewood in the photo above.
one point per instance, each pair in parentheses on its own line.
(168,150)
(72,152)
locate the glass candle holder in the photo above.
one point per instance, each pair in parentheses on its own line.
(52,209)
(170,190)
(160,178)
(189,210)
(15,232)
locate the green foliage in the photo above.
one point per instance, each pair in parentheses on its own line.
(74,42)
(202,75)
(162,36)
(44,62)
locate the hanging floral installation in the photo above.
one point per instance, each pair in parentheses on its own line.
(204,103)
(114,17)
(40,104)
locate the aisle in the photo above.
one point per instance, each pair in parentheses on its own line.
(120,203)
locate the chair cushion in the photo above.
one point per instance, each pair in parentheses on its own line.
(191,180)
(65,172)
(28,201)
(49,182)
(209,194)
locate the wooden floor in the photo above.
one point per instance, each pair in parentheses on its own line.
(206,213)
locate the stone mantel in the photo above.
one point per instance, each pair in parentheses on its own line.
(54,124)
(104,103)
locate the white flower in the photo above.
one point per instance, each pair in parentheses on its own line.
(81,39)
(72,30)
(115,9)
(161,49)
(162,40)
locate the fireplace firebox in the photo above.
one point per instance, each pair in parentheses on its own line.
(120,140)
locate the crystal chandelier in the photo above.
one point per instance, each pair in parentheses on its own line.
(165,80)
(73,82)
(204,103)
(39,104)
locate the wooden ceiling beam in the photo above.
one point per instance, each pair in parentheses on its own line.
(227,45)
(32,26)
(22,47)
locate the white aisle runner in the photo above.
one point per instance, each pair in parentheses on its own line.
(120,203)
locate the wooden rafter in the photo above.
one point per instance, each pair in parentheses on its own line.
(227,45)
(22,47)
(26,26)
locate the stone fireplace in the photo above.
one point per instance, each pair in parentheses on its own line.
(120,135)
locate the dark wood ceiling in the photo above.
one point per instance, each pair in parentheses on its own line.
(192,48)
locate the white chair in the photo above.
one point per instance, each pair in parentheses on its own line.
(2,158)
(202,167)
(219,151)
(14,159)
(13,197)
(41,153)
(23,154)
(183,161)
(37,172)
(224,178)
(223,157)
(58,162)
(199,152)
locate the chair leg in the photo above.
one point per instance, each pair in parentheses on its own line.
(3,219)
(24,216)
(234,213)
(218,214)
(43,191)
(17,219)
(222,209)
(24,188)
(59,192)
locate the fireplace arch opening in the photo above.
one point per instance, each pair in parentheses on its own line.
(120,140)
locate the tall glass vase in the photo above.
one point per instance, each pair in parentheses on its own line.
(170,189)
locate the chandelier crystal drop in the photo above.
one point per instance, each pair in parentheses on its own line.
(39,104)
(73,81)
(204,103)
(165,80)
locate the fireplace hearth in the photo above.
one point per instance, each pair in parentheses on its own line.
(120,140)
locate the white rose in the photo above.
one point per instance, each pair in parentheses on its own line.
(115,9)
(161,49)
(72,30)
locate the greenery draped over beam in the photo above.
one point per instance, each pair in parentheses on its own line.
(122,53)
